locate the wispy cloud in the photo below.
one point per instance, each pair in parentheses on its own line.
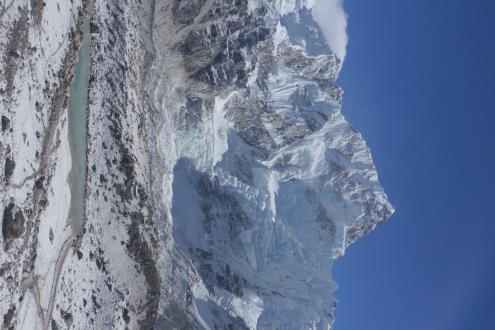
(332,18)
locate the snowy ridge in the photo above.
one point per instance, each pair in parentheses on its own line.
(295,186)
(108,279)
(222,180)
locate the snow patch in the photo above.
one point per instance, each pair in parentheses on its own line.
(220,129)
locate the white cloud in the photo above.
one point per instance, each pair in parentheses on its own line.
(332,18)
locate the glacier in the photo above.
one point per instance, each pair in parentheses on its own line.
(222,180)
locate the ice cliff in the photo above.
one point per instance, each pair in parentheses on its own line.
(222,180)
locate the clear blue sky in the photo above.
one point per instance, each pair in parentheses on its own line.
(420,85)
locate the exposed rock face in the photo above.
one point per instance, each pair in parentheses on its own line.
(5,123)
(222,178)
(12,223)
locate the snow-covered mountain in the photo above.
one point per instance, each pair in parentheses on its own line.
(221,178)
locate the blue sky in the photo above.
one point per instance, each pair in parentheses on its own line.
(419,83)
